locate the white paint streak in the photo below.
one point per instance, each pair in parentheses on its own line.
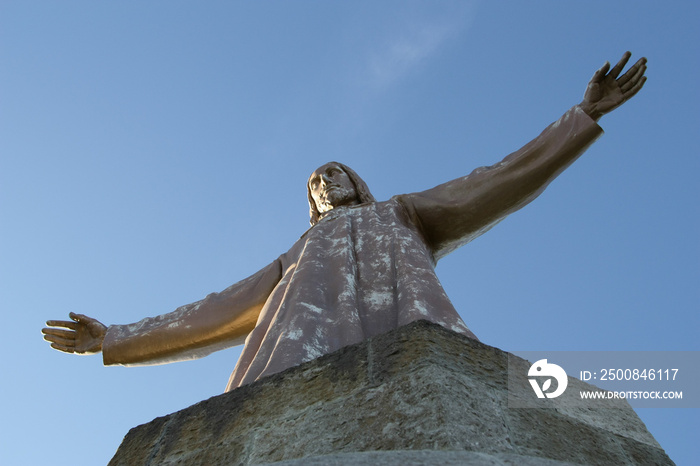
(312,308)
(295,334)
(421,308)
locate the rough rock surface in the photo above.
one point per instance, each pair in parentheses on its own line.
(420,394)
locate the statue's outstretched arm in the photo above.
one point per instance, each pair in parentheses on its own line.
(454,213)
(219,321)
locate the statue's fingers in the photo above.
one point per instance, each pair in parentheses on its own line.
(81,318)
(633,71)
(65,349)
(634,79)
(629,94)
(62,323)
(68,334)
(617,69)
(64,342)
(600,74)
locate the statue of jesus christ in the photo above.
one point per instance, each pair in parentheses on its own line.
(363,268)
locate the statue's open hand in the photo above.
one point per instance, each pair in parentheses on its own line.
(82,335)
(606,91)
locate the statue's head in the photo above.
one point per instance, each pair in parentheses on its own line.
(333,185)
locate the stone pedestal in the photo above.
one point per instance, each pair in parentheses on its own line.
(420,394)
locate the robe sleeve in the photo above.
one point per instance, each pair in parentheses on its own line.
(219,321)
(454,213)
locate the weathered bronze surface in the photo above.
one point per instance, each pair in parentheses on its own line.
(364,267)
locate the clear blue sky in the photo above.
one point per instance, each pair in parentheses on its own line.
(154,152)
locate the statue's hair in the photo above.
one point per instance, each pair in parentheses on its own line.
(363,194)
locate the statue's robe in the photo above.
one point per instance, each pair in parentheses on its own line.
(360,271)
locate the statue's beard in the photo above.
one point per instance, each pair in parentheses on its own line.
(336,197)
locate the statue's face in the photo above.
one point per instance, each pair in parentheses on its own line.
(331,187)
